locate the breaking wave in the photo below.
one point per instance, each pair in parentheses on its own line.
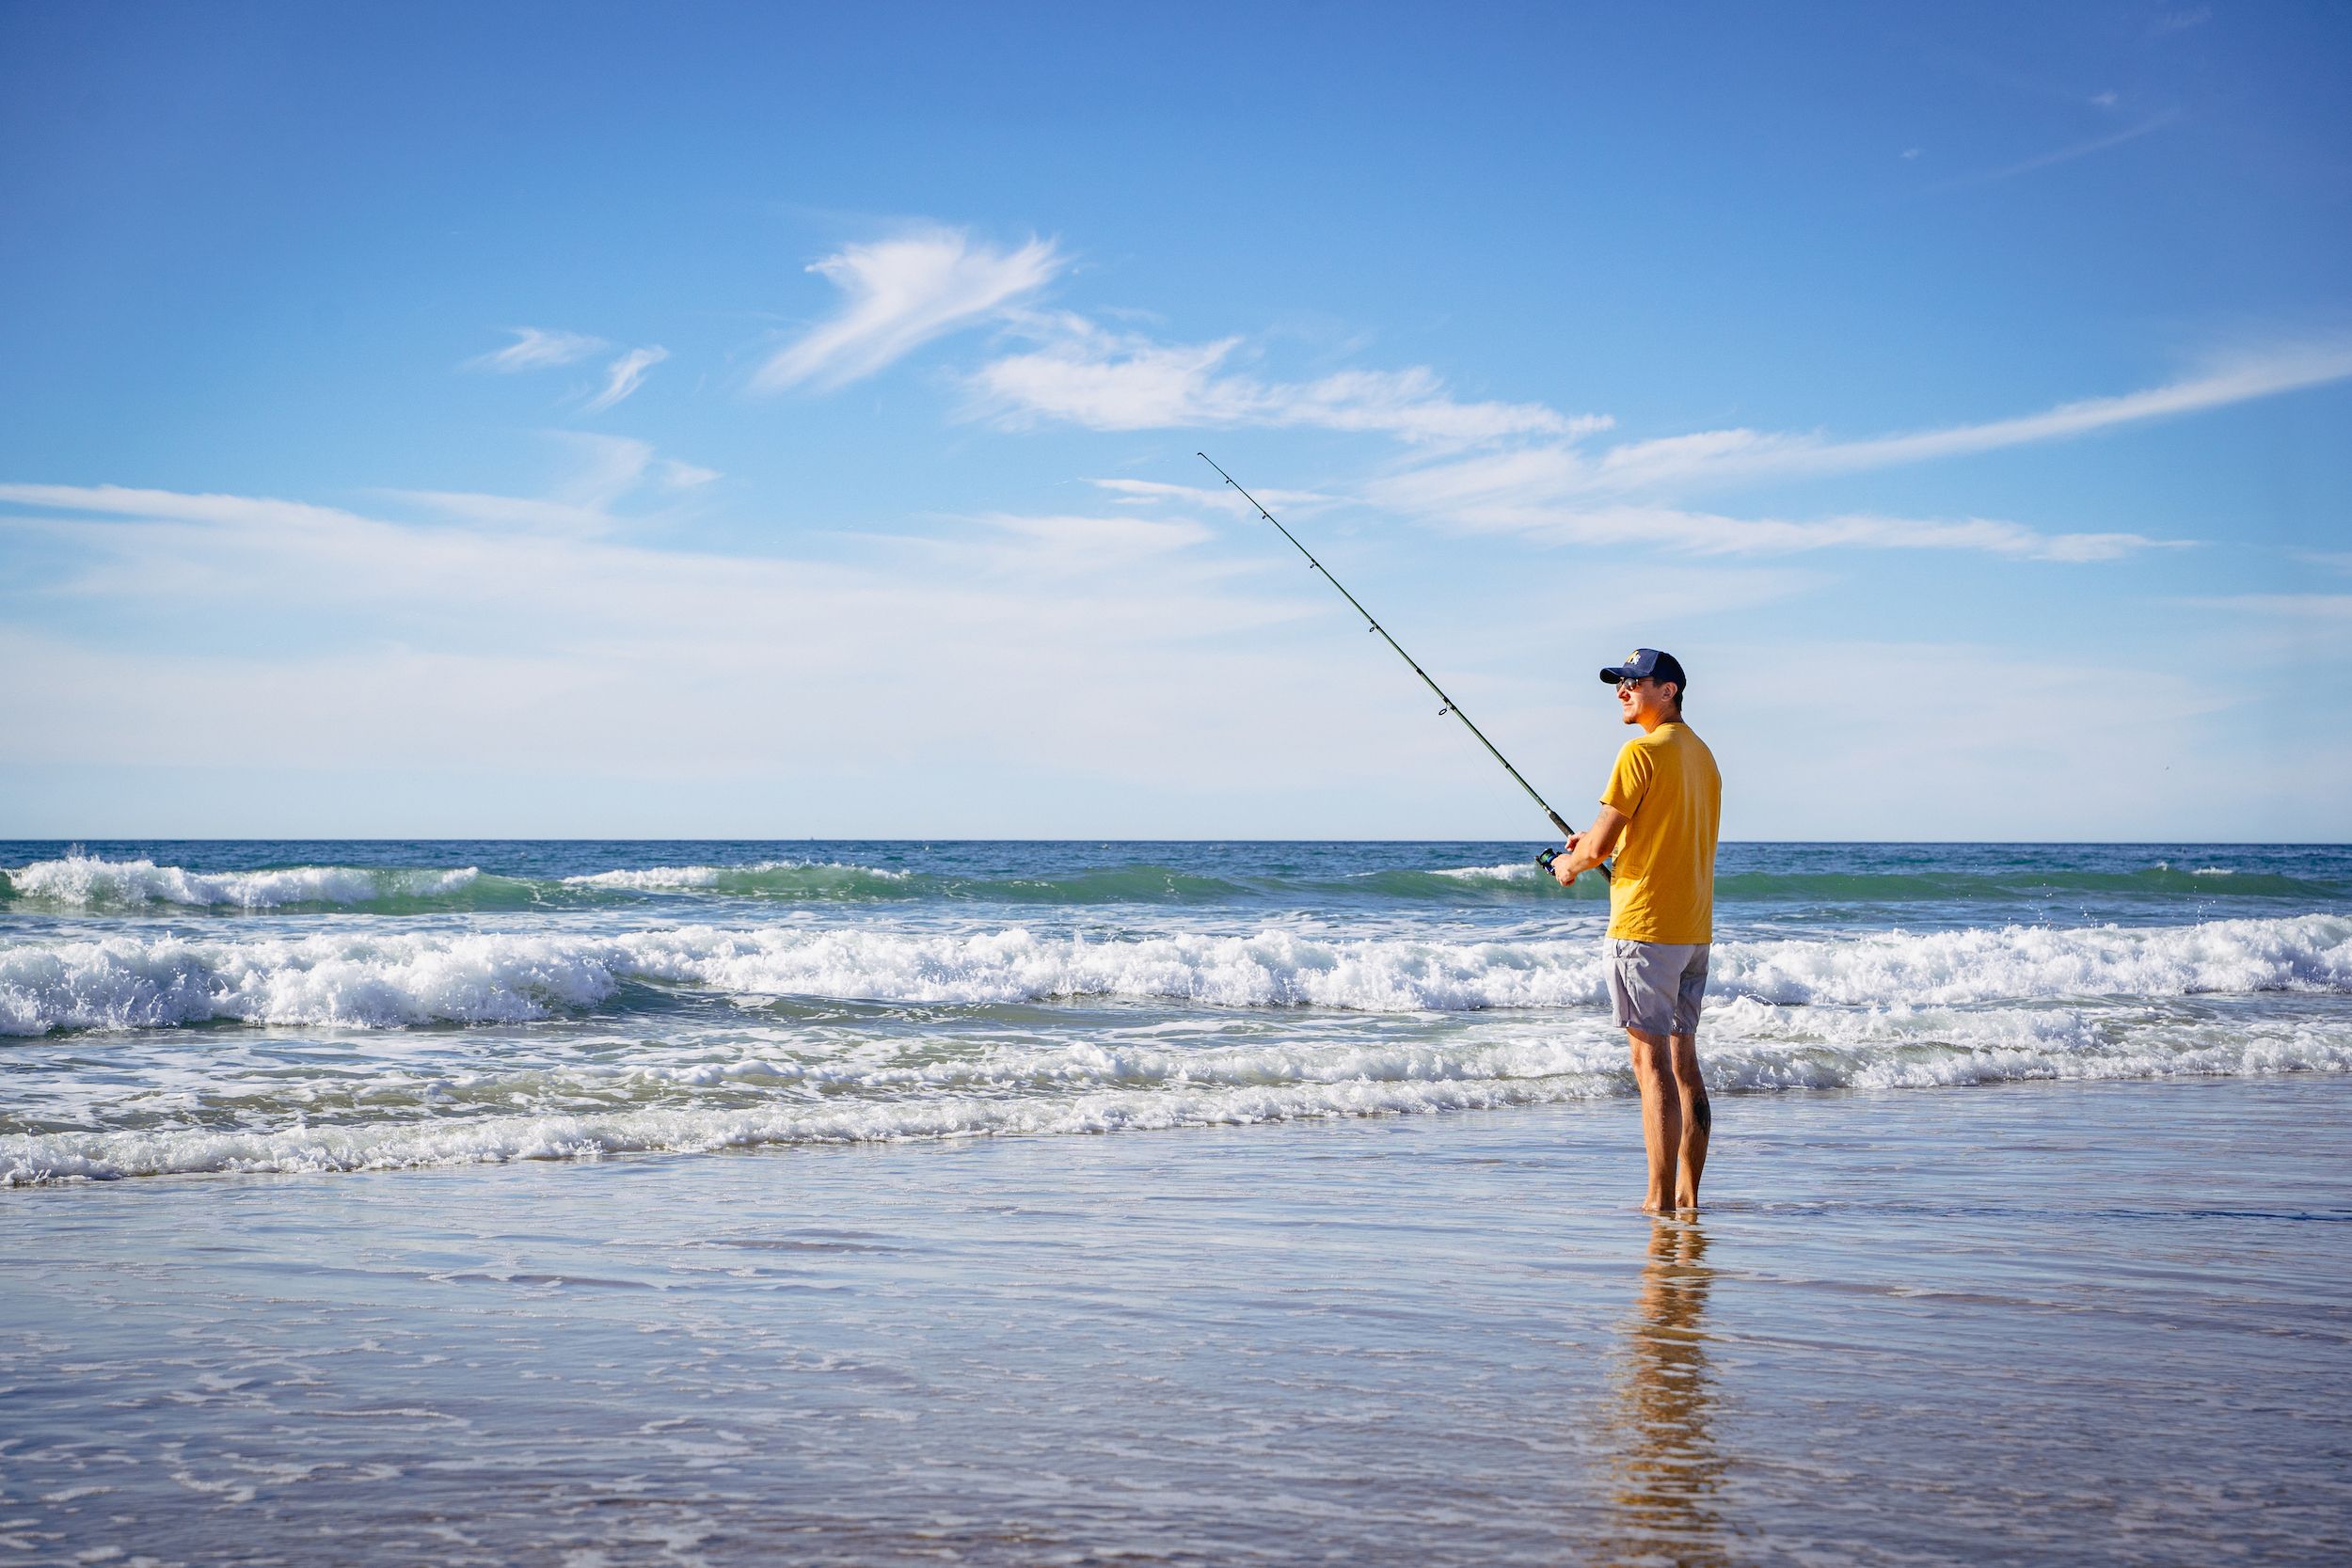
(89,882)
(84,881)
(392,980)
(776,879)
(802,880)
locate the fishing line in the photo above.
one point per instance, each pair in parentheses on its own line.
(1450,706)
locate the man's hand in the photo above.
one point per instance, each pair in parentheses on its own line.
(1590,848)
(1561,871)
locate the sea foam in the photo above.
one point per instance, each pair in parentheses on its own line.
(754,1099)
(89,881)
(808,877)
(371,979)
(1510,871)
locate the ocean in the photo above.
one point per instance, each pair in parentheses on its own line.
(174,1008)
(578,1203)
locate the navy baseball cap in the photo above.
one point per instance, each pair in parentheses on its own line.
(1648,662)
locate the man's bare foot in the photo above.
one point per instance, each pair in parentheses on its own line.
(1653,1205)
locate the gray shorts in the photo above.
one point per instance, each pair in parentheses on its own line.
(1657,984)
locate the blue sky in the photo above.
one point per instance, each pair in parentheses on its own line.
(767,421)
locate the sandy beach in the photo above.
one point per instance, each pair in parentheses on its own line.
(2040,1322)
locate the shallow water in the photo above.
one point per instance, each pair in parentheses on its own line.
(2044,1322)
(189,1007)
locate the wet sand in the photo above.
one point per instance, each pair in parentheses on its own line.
(2038,1322)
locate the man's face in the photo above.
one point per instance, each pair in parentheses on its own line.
(1640,696)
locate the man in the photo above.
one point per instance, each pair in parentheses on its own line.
(1664,802)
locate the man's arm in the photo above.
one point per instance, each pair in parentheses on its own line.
(1592,846)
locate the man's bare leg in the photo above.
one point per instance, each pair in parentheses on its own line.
(1662,1114)
(1698,1120)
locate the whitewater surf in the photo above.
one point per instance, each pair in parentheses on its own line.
(171,1008)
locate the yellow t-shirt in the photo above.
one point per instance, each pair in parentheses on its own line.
(1662,885)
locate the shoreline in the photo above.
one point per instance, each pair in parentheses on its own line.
(538,1142)
(1445,1337)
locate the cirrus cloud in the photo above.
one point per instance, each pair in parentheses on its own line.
(1554,473)
(535,348)
(1085,375)
(901,294)
(625,375)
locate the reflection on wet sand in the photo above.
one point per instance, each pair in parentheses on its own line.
(1668,1471)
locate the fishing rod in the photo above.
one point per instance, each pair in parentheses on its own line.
(1450,706)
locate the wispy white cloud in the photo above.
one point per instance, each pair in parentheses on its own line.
(1083,374)
(901,294)
(510,646)
(1147,492)
(685,476)
(178,505)
(1486,484)
(603,468)
(2066,154)
(2106,99)
(1711,533)
(1736,451)
(536,349)
(625,375)
(333,554)
(1082,539)
(494,659)
(1554,473)
(607,472)
(1715,534)
(527,513)
(491,653)
(1686,589)
(2296,630)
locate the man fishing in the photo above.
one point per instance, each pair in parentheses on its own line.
(1664,800)
(1659,815)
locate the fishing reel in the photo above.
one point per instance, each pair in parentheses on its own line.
(1544,857)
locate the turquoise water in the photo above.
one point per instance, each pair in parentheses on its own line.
(177,1007)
